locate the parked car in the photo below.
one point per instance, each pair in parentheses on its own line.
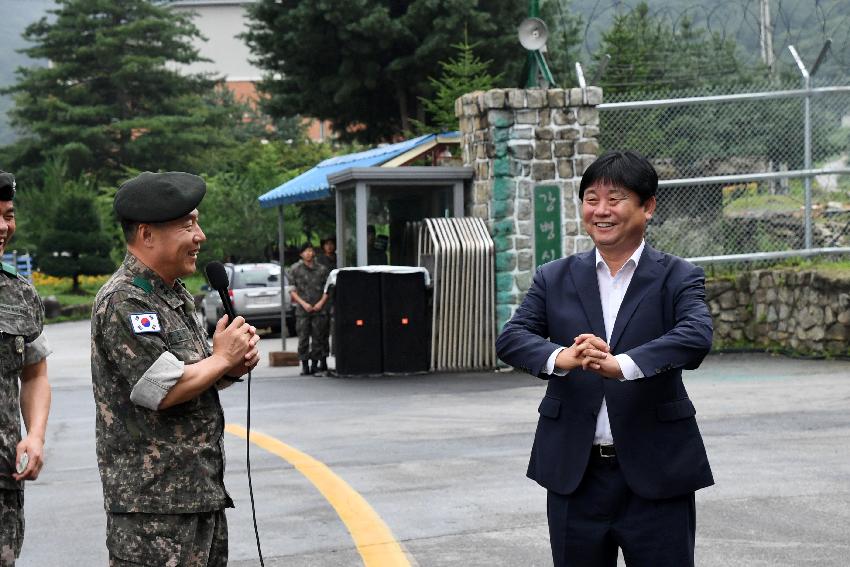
(255,293)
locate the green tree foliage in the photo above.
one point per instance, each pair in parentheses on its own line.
(363,64)
(112,98)
(462,74)
(74,244)
(652,59)
(648,54)
(35,203)
(235,225)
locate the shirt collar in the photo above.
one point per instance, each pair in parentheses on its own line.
(634,258)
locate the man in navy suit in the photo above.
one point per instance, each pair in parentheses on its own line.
(617,445)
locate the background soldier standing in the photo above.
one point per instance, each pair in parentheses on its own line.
(308,279)
(23,357)
(159,423)
(327,255)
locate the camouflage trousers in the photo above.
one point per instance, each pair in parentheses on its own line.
(11,526)
(167,540)
(312,330)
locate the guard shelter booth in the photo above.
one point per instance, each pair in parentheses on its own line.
(384,187)
(392,199)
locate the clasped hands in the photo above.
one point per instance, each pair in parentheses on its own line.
(589,352)
(315,307)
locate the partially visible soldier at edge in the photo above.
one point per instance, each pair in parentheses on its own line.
(159,422)
(23,359)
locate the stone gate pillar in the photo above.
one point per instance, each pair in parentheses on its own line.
(529,148)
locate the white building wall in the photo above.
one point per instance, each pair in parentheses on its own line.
(221,23)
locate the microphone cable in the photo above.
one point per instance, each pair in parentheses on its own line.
(219,281)
(250,482)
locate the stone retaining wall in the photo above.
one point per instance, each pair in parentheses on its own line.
(785,310)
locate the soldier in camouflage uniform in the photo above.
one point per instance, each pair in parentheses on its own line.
(312,319)
(23,359)
(159,422)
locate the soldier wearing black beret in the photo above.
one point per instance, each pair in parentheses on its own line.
(24,389)
(159,197)
(159,423)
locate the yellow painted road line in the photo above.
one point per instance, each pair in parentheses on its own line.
(374,540)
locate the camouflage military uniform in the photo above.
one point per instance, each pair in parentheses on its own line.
(155,464)
(21,344)
(312,328)
(187,540)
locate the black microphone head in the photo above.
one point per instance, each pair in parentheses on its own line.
(217,276)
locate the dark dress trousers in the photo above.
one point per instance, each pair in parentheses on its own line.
(664,325)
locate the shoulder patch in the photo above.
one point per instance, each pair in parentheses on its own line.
(9,269)
(145,323)
(142,284)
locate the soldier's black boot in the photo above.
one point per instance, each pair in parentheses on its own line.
(314,366)
(305,368)
(323,368)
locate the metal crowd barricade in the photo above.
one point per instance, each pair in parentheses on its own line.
(459,253)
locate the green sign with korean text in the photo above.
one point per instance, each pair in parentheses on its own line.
(547,224)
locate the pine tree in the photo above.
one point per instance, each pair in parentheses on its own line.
(363,65)
(112,97)
(462,74)
(647,54)
(75,244)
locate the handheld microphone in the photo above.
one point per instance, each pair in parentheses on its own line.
(217,276)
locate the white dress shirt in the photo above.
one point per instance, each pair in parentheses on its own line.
(612,289)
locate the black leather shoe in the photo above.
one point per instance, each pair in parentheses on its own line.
(314,366)
(305,368)
(323,364)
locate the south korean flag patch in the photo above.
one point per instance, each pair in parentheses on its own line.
(145,323)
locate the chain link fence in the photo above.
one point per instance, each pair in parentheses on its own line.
(732,168)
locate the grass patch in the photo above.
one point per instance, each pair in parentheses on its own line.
(60,288)
(764,203)
(833,268)
(838,268)
(753,198)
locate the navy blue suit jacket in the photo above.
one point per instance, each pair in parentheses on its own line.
(664,325)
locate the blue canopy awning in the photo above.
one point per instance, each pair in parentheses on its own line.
(313,183)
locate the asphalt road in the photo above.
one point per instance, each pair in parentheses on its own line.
(441,459)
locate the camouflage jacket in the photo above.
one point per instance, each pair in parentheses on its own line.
(309,283)
(327,261)
(21,344)
(151,460)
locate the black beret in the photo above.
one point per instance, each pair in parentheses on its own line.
(159,197)
(7,186)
